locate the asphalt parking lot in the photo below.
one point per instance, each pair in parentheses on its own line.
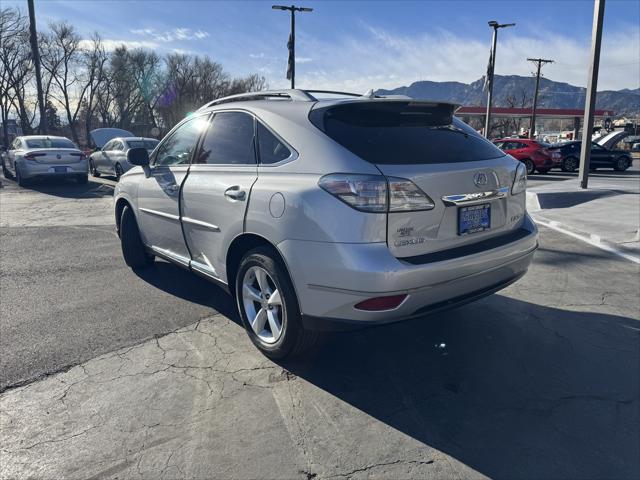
(106,373)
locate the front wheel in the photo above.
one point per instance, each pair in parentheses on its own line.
(622,163)
(133,250)
(92,168)
(119,171)
(569,164)
(20,180)
(268,306)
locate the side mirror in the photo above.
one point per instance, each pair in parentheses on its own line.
(138,156)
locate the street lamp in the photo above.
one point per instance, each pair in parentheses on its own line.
(291,44)
(492,63)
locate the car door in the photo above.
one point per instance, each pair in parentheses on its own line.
(159,191)
(600,156)
(116,155)
(216,191)
(11,155)
(101,158)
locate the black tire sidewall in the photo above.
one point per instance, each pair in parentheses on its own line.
(133,251)
(292,322)
(569,165)
(529,166)
(618,165)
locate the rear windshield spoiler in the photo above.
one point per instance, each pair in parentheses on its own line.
(384,111)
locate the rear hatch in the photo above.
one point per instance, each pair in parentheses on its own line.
(467,177)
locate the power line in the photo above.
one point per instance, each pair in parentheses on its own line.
(539,62)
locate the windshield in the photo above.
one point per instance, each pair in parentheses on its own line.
(403,133)
(50,143)
(148,144)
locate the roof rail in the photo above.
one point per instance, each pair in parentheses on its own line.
(292,94)
(334,92)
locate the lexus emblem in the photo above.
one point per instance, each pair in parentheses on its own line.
(58,156)
(480,179)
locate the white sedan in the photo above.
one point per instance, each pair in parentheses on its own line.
(39,156)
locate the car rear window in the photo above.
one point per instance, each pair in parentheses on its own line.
(148,144)
(403,133)
(49,143)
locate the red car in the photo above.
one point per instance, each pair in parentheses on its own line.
(532,153)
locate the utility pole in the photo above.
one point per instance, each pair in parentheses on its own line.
(35,53)
(539,62)
(291,44)
(592,86)
(492,64)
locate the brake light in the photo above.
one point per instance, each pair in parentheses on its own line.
(520,180)
(79,154)
(376,193)
(378,304)
(32,156)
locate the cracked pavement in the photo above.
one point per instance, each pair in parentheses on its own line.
(538,381)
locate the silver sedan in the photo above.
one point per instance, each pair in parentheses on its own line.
(112,159)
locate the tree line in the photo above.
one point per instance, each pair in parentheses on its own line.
(86,86)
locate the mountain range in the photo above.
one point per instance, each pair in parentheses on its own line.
(517,91)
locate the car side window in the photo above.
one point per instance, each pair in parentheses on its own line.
(229,140)
(16,144)
(118,146)
(508,146)
(108,146)
(522,145)
(177,149)
(271,149)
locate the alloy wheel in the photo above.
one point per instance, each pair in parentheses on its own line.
(263,305)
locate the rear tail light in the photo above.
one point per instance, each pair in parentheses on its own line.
(520,180)
(32,156)
(79,154)
(378,304)
(376,193)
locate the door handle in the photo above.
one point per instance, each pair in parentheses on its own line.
(235,193)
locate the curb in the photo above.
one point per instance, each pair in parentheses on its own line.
(533,204)
(590,238)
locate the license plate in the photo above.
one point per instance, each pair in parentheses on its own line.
(476,218)
(58,169)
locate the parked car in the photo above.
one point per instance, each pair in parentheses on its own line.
(601,157)
(316,214)
(39,156)
(534,154)
(112,158)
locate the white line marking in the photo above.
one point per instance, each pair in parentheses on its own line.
(593,240)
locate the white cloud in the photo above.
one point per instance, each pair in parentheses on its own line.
(381,59)
(111,44)
(176,34)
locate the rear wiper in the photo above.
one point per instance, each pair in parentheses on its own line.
(449,128)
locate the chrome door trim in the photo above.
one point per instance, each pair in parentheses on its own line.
(159,214)
(171,256)
(205,269)
(200,223)
(476,197)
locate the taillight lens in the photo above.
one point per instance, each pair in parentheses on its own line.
(376,193)
(406,196)
(81,155)
(32,156)
(520,180)
(367,193)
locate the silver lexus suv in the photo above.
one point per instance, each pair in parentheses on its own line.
(320,210)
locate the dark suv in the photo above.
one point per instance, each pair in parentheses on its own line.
(601,157)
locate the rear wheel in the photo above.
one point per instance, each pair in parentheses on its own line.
(92,168)
(528,163)
(119,171)
(19,178)
(133,251)
(268,306)
(570,164)
(622,163)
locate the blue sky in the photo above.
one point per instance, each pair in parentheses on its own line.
(357,45)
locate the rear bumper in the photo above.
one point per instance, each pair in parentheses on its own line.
(29,169)
(331,278)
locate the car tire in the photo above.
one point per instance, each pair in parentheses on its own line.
(82,179)
(530,166)
(260,275)
(543,171)
(119,171)
(20,180)
(133,250)
(5,171)
(569,164)
(92,169)
(622,163)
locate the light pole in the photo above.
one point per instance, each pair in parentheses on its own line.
(492,63)
(35,53)
(291,44)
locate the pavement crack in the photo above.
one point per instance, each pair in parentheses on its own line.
(378,465)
